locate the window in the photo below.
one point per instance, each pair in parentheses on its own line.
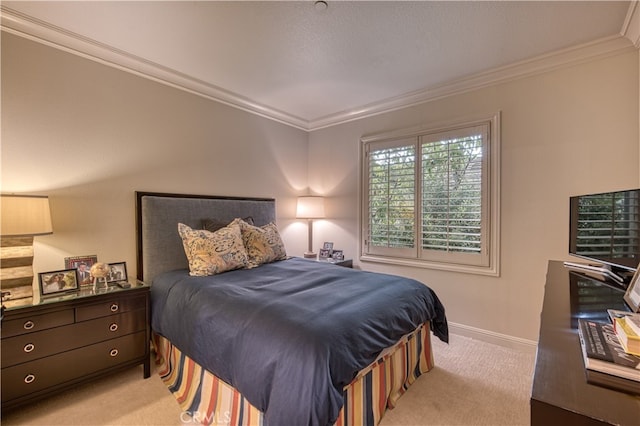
(430,197)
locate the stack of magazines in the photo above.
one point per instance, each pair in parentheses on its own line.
(607,361)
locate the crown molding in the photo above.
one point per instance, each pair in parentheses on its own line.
(36,30)
(28,27)
(574,55)
(631,26)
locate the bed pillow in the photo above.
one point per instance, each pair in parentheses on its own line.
(263,244)
(214,224)
(211,253)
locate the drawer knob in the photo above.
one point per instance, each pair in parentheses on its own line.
(29,347)
(28,325)
(29,378)
(114,307)
(113,327)
(114,352)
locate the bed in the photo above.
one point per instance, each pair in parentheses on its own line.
(289,341)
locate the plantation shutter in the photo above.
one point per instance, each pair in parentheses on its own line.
(430,197)
(391,176)
(453,208)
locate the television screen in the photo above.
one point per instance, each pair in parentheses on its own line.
(605,228)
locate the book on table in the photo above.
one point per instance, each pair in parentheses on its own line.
(633,321)
(615,313)
(606,362)
(629,340)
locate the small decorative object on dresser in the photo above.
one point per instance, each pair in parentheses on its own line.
(99,272)
(57,282)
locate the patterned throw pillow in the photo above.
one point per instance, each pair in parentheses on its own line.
(263,244)
(211,253)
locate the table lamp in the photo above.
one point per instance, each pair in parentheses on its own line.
(310,207)
(21,218)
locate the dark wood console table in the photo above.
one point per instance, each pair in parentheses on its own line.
(560,394)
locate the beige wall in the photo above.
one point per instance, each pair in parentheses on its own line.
(566,132)
(89,135)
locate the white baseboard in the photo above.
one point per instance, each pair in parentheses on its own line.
(517,343)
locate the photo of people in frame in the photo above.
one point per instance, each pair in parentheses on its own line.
(117,272)
(337,255)
(83,265)
(55,282)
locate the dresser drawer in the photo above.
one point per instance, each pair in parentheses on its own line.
(110,307)
(34,376)
(27,347)
(36,323)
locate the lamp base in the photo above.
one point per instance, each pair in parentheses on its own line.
(310,255)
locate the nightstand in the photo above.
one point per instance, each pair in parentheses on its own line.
(66,340)
(347,263)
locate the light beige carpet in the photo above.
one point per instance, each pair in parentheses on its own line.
(473,383)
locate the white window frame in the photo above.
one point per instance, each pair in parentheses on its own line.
(488,263)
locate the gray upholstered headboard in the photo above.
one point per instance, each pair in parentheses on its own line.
(159,247)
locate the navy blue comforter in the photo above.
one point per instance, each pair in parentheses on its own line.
(290,335)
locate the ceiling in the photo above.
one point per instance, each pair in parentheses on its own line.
(312,68)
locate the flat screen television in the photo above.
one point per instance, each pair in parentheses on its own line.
(605,229)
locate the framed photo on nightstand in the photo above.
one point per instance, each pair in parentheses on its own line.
(83,265)
(117,272)
(57,282)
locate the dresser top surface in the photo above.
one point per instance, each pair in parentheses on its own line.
(81,294)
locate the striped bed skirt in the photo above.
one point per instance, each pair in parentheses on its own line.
(206,399)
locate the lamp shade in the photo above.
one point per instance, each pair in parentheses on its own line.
(310,207)
(24,215)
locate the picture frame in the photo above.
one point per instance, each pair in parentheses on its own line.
(324,254)
(117,272)
(54,283)
(83,265)
(632,295)
(337,255)
(328,246)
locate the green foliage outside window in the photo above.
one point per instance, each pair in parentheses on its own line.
(451,181)
(392,197)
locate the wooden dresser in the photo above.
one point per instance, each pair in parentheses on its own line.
(560,394)
(61,342)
